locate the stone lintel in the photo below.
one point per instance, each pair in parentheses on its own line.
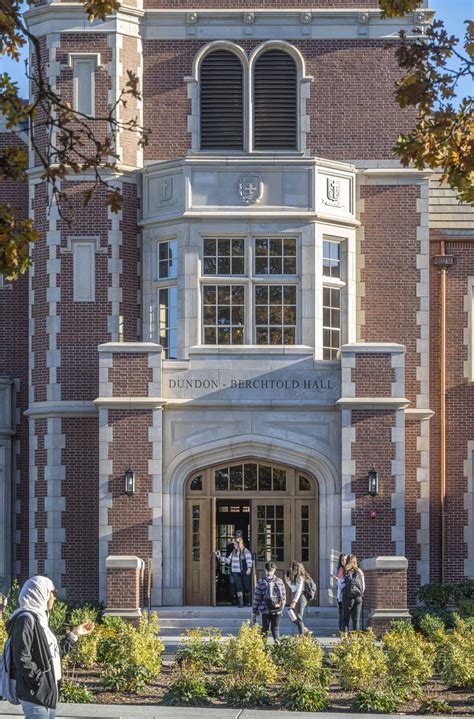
(384,563)
(124,562)
(120,347)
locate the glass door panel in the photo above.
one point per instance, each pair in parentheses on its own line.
(271,534)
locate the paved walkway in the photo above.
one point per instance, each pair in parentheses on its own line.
(131,711)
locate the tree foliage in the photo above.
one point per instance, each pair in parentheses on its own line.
(443,138)
(75,143)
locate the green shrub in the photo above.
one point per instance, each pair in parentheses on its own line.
(12,600)
(119,642)
(202,647)
(456,656)
(3,634)
(188,685)
(435,595)
(410,657)
(246,693)
(249,666)
(375,700)
(302,656)
(247,658)
(85,650)
(125,677)
(57,617)
(74,693)
(299,695)
(431,705)
(433,627)
(361,663)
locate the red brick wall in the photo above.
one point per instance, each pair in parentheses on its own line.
(459,413)
(346,122)
(373,375)
(130,375)
(385,589)
(81,518)
(130,516)
(124,588)
(389,247)
(373,445)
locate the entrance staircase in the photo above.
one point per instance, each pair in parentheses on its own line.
(174,621)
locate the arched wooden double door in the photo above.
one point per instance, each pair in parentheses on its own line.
(275,507)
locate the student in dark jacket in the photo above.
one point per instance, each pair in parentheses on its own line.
(36,654)
(269,600)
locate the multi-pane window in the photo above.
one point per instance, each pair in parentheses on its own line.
(223,314)
(250,478)
(275,314)
(331,322)
(168,321)
(167,259)
(275,256)
(224,256)
(196,536)
(331,258)
(252,307)
(270,533)
(305,533)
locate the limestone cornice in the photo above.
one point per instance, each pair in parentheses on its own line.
(210,24)
(373,403)
(129,402)
(61,408)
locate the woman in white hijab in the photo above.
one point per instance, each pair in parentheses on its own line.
(36,653)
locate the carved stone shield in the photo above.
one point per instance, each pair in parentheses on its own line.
(333,189)
(165,190)
(250,188)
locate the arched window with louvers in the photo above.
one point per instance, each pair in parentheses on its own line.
(221,101)
(275,101)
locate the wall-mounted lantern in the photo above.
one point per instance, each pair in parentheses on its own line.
(129,482)
(373,482)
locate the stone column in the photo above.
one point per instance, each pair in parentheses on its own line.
(385,591)
(124,586)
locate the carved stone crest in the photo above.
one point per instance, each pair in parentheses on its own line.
(333,192)
(250,188)
(306,18)
(165,191)
(191,18)
(249,18)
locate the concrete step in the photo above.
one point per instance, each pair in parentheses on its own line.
(230,622)
(230,611)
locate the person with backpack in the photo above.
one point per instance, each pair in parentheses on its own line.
(31,660)
(353,589)
(269,600)
(303,590)
(240,563)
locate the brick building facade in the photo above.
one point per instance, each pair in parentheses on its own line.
(263,322)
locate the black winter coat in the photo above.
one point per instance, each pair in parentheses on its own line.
(31,659)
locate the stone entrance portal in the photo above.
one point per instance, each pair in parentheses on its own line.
(276,508)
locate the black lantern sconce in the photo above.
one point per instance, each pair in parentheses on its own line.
(373,482)
(129,482)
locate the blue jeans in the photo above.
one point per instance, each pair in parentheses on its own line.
(34,711)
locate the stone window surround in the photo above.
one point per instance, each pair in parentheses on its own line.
(250,280)
(163,283)
(94,58)
(339,283)
(248,62)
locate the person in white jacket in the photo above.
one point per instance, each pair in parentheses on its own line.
(240,563)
